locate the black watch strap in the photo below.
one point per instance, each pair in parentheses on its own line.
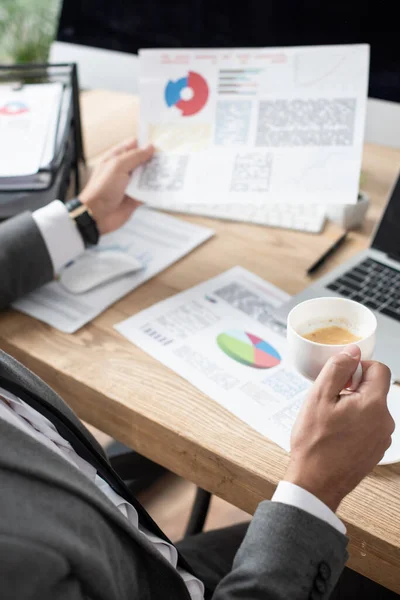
(84,221)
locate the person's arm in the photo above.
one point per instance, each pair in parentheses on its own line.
(286,554)
(34,247)
(32,571)
(290,553)
(24,259)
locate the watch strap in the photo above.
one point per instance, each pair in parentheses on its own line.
(83,218)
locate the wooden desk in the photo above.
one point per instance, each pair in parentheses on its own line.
(119,389)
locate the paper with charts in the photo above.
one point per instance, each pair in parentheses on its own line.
(152,239)
(222,337)
(238,130)
(27,116)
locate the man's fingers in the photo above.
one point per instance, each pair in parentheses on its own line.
(131,144)
(376,379)
(125,146)
(337,372)
(133,158)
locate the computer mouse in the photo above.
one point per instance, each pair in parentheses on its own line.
(95,268)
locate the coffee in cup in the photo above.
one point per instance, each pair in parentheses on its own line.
(335,322)
(332,335)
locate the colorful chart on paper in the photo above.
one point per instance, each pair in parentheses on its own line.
(13,108)
(248,349)
(198,93)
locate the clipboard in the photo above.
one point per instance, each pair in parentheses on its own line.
(68,143)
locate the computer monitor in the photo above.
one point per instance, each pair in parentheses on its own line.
(103,37)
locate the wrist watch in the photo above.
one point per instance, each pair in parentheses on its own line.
(83,218)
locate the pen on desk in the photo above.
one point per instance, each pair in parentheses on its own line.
(327,254)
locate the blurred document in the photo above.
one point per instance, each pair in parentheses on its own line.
(222,337)
(28,118)
(240,129)
(155,240)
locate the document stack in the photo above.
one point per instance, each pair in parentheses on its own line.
(40,135)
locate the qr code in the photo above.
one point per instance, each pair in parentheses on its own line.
(232,122)
(284,420)
(243,299)
(286,383)
(251,172)
(164,173)
(306,122)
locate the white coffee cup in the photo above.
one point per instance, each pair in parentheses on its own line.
(309,357)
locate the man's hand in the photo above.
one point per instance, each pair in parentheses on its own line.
(339,438)
(105,192)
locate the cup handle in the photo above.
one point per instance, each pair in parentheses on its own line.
(356,379)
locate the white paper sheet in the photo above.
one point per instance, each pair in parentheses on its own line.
(185,333)
(273,126)
(57,127)
(26,119)
(154,239)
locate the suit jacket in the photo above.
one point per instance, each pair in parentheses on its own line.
(25,263)
(60,536)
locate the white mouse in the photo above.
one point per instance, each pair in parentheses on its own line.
(95,268)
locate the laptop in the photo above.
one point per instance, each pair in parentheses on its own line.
(371,277)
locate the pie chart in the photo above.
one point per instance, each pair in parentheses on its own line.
(198,91)
(13,108)
(248,349)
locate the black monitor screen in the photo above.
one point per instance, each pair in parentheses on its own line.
(128,25)
(387,237)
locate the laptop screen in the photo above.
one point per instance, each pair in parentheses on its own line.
(387,237)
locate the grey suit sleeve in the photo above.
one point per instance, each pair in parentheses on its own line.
(25,263)
(287,554)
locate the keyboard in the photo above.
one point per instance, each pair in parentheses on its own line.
(372,284)
(309,218)
(298,217)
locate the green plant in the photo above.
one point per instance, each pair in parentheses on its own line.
(27,29)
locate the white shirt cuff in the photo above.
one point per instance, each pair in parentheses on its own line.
(61,236)
(293,495)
